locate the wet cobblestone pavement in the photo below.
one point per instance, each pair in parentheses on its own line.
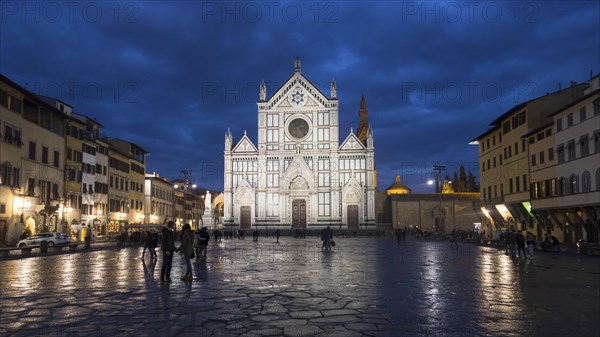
(365,287)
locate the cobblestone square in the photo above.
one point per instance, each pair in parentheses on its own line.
(367,286)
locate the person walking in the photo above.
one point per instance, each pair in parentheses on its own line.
(203,239)
(520,244)
(530,239)
(255,235)
(167,246)
(277,233)
(398,235)
(187,250)
(146,244)
(326,236)
(197,243)
(152,243)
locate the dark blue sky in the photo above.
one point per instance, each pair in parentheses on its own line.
(173,76)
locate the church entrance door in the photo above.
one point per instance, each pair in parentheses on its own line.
(245,217)
(299,213)
(352,216)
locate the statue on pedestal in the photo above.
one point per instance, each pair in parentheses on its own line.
(207,202)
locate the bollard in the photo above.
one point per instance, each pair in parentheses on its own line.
(44,247)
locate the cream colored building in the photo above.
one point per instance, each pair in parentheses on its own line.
(32,152)
(504,160)
(159,199)
(565,169)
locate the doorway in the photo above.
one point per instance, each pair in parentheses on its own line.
(299,213)
(352,216)
(245,217)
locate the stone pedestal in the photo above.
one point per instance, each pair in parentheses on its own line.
(207,219)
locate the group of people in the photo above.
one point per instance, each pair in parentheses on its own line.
(519,245)
(193,245)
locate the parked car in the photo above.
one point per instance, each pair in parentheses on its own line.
(67,238)
(36,240)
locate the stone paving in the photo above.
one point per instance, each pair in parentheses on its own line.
(367,286)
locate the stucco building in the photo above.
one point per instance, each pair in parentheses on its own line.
(564,158)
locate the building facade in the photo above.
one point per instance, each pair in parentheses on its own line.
(158,199)
(130,160)
(564,156)
(504,168)
(299,175)
(32,152)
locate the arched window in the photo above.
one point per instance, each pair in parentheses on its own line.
(597,107)
(573,184)
(562,186)
(586,182)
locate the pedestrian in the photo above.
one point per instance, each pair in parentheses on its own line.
(326,236)
(530,239)
(255,235)
(153,243)
(520,244)
(187,250)
(398,235)
(197,243)
(547,244)
(203,239)
(146,244)
(168,248)
(277,233)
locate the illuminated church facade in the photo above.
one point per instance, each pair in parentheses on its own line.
(300,173)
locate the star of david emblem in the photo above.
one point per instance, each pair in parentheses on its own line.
(297,97)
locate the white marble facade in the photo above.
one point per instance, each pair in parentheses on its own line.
(300,175)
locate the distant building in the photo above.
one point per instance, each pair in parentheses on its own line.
(127,169)
(299,175)
(438,213)
(159,199)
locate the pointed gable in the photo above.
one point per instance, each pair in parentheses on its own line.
(352,143)
(245,146)
(313,96)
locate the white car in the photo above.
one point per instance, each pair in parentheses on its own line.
(36,240)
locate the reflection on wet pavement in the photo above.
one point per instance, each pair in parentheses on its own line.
(367,286)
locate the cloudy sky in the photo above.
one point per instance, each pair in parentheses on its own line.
(173,76)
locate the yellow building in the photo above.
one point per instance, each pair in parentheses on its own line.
(73,171)
(564,157)
(32,152)
(133,175)
(504,160)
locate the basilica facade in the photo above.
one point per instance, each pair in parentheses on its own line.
(300,173)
